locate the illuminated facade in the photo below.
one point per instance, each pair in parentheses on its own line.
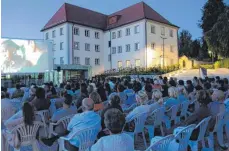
(132,37)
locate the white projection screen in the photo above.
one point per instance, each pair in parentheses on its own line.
(25,56)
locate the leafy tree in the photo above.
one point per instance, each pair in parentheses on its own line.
(218,37)
(195,48)
(185,42)
(211,11)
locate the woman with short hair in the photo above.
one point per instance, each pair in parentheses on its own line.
(172,100)
(117,141)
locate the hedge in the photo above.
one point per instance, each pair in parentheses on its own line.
(222,63)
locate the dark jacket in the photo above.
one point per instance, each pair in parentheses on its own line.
(41,104)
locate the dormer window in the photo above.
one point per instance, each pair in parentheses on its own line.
(113,19)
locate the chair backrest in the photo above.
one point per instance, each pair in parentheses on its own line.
(65,121)
(173,112)
(203,127)
(184,108)
(157,116)
(44,114)
(162,144)
(27,132)
(130,99)
(139,121)
(86,137)
(219,122)
(183,136)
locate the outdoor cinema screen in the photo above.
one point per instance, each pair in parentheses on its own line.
(24,56)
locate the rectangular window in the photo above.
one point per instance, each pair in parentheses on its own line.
(97,61)
(171,33)
(61,45)
(119,49)
(113,50)
(119,64)
(127,63)
(136,29)
(54,47)
(109,57)
(76,31)
(127,31)
(171,48)
(97,35)
(87,47)
(53,34)
(47,36)
(113,35)
(153,29)
(54,61)
(119,34)
(137,46)
(76,60)
(152,45)
(76,46)
(128,48)
(97,48)
(87,33)
(163,31)
(137,63)
(61,31)
(61,60)
(87,61)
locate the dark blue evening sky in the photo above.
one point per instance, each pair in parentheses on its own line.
(25,18)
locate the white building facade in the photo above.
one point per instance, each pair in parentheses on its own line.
(80,46)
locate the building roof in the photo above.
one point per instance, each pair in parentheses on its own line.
(78,15)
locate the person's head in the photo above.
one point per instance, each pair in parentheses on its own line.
(83,88)
(18,86)
(67,101)
(225,80)
(95,97)
(172,92)
(130,86)
(114,120)
(102,93)
(32,91)
(87,104)
(4,89)
(189,82)
(141,97)
(28,113)
(90,88)
(198,88)
(148,87)
(207,86)
(156,95)
(68,87)
(203,97)
(3,95)
(114,100)
(218,95)
(137,86)
(120,88)
(46,87)
(172,83)
(181,82)
(107,87)
(77,86)
(217,78)
(40,93)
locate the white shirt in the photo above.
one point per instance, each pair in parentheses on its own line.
(115,142)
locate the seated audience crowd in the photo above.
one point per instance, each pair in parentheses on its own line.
(106,104)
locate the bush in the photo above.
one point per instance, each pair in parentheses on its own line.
(206,66)
(222,63)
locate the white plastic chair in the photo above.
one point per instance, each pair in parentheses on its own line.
(139,121)
(161,144)
(171,115)
(7,113)
(183,109)
(27,134)
(64,121)
(157,118)
(218,129)
(86,138)
(182,134)
(202,130)
(44,114)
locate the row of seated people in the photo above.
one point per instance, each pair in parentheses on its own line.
(89,105)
